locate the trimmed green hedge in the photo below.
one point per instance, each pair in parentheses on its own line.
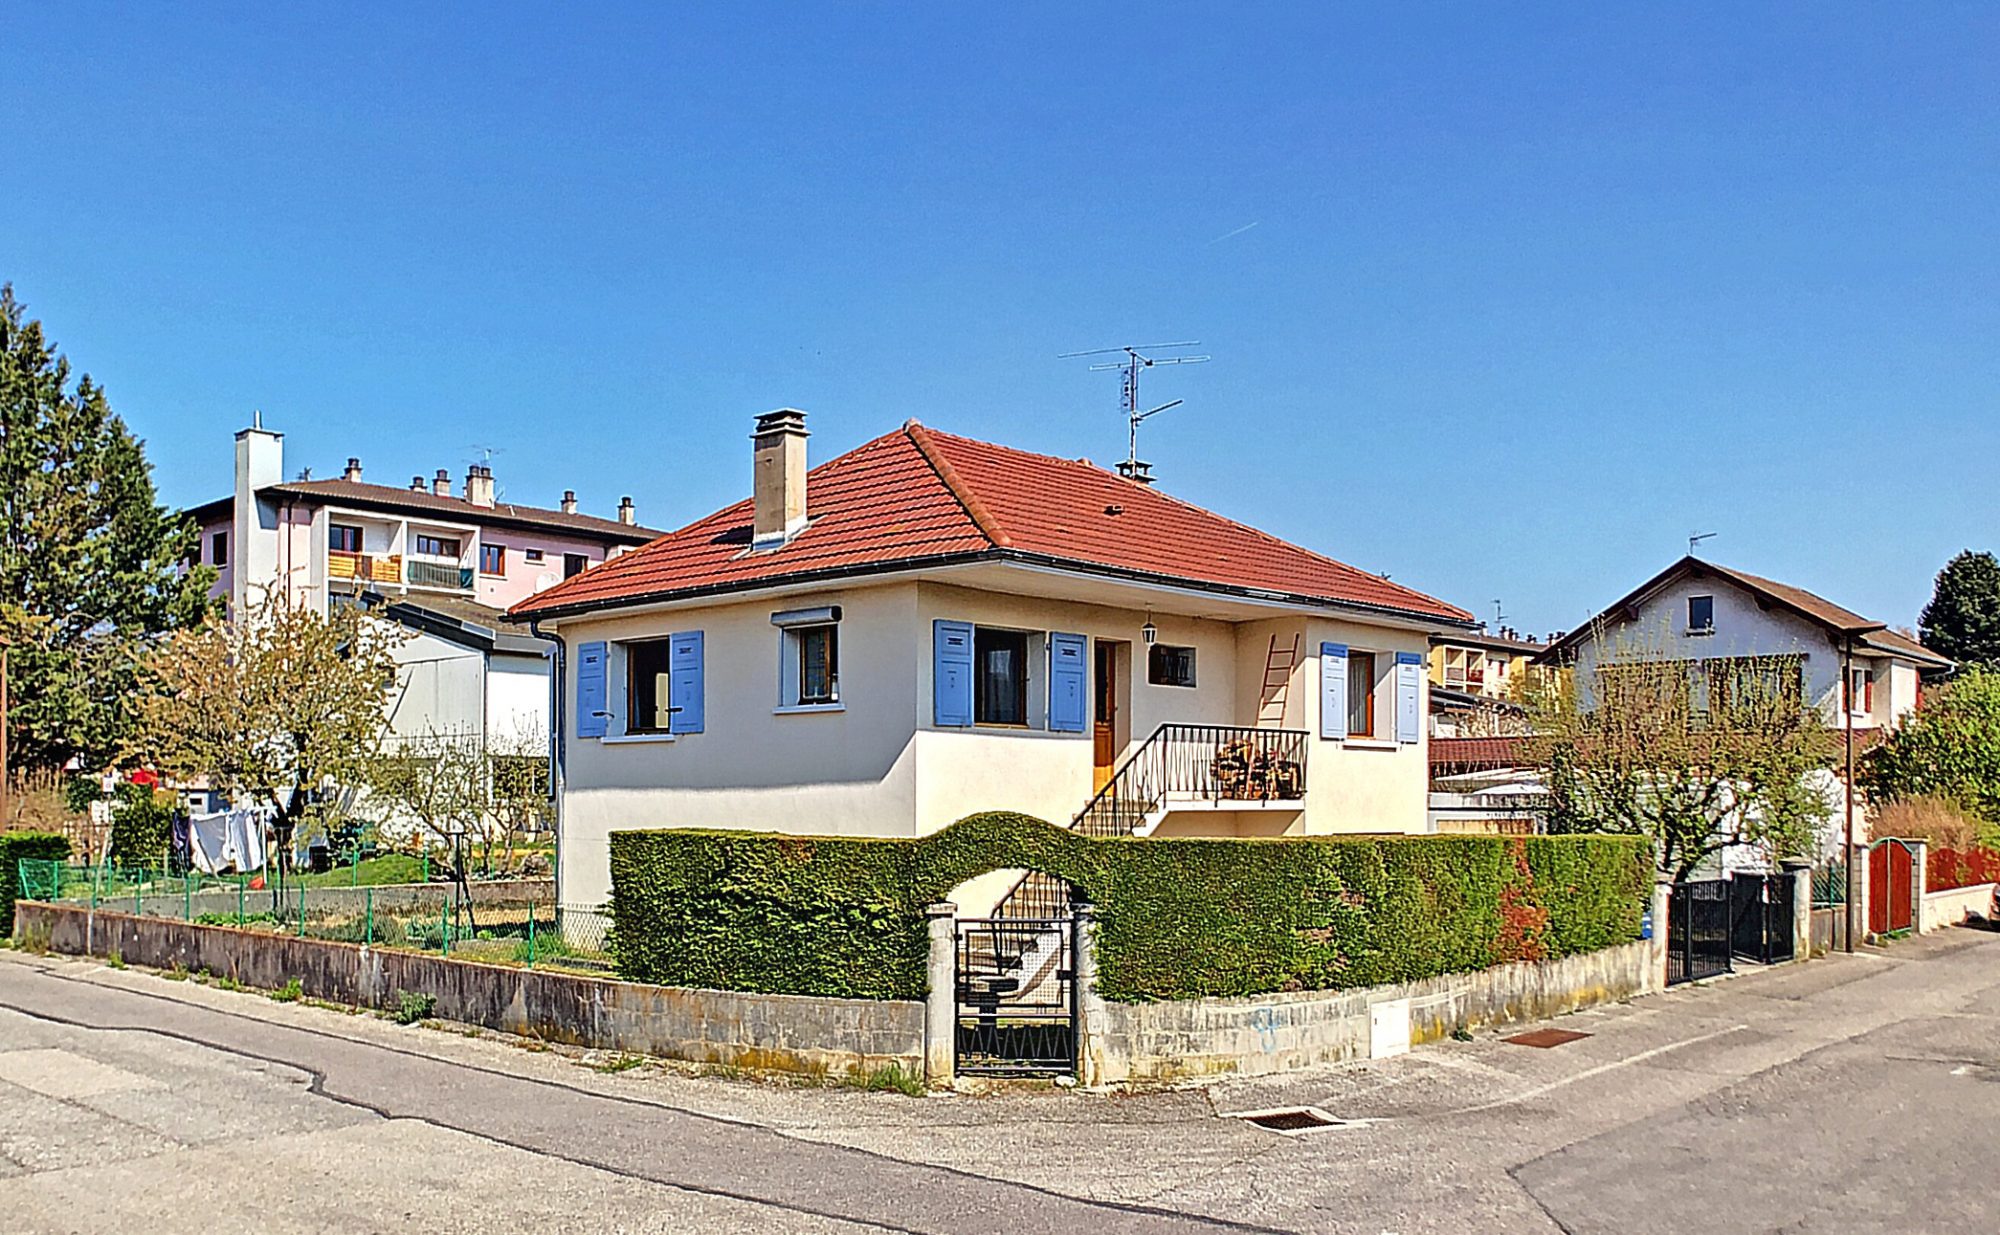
(1177,919)
(13,847)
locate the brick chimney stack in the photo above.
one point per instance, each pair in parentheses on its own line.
(778,467)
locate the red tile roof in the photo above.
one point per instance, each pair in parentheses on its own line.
(918,496)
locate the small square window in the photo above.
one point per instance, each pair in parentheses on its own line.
(1701,615)
(531,555)
(574,564)
(1170,666)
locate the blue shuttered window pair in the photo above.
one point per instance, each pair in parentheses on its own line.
(686,686)
(952,678)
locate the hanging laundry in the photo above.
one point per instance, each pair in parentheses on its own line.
(208,842)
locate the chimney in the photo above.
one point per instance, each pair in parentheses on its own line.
(778,464)
(416,484)
(479,485)
(353,472)
(441,484)
(1133,469)
(569,501)
(627,513)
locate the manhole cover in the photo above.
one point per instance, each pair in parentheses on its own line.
(1546,1038)
(1293,1120)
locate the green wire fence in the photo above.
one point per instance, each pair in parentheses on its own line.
(498,923)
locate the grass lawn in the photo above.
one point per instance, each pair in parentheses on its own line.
(388,868)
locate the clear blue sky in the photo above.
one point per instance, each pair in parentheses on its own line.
(1502,308)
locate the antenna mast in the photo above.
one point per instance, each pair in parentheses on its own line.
(1137,359)
(1695,539)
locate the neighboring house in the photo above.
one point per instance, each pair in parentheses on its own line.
(929,626)
(442,565)
(1477,663)
(1725,623)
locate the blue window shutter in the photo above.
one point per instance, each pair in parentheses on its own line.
(590,690)
(951,673)
(1333,690)
(1069,694)
(685,674)
(1409,696)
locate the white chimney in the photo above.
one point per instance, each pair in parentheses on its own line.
(253,532)
(353,472)
(778,464)
(627,513)
(479,485)
(441,484)
(417,484)
(569,501)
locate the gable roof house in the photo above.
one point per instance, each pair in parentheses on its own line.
(929,626)
(1724,621)
(442,565)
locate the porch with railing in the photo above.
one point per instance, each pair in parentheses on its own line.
(1214,765)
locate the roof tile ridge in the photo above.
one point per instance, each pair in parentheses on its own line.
(983,519)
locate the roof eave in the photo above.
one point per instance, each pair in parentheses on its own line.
(1049,561)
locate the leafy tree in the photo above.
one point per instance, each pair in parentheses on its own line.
(1696,755)
(1963,619)
(470,797)
(141,825)
(1949,748)
(91,565)
(281,704)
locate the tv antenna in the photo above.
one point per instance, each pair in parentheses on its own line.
(1695,539)
(1499,615)
(1137,359)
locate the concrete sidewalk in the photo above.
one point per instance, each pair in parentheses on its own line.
(1844,1094)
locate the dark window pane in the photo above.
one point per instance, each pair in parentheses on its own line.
(574,564)
(343,539)
(1701,613)
(1000,687)
(1170,666)
(818,664)
(647,696)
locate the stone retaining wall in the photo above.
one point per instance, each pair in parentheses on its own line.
(785,1032)
(1274,1033)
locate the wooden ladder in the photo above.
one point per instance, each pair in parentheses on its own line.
(1278,668)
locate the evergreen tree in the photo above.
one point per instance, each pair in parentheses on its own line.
(1963,619)
(91,565)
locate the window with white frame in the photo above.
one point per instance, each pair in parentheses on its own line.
(1701,615)
(1000,676)
(808,657)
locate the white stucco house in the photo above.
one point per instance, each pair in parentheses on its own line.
(1723,621)
(929,626)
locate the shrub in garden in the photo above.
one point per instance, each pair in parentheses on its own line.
(14,846)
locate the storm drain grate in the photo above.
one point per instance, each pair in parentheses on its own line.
(1546,1038)
(1293,1120)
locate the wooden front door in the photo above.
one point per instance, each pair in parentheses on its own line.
(1104,726)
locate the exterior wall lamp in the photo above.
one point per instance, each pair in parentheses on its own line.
(1149,632)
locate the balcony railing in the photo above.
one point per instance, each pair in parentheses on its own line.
(1213,763)
(439,574)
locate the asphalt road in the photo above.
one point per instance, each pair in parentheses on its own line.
(1847,1094)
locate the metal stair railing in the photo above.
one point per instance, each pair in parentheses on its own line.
(1219,763)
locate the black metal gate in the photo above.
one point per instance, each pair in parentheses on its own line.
(1698,943)
(1016,997)
(1760,917)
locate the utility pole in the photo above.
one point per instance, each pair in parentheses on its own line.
(6,782)
(1847,730)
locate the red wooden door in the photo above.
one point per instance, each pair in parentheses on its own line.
(1889,875)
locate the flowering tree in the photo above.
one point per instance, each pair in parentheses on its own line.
(1698,755)
(282,703)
